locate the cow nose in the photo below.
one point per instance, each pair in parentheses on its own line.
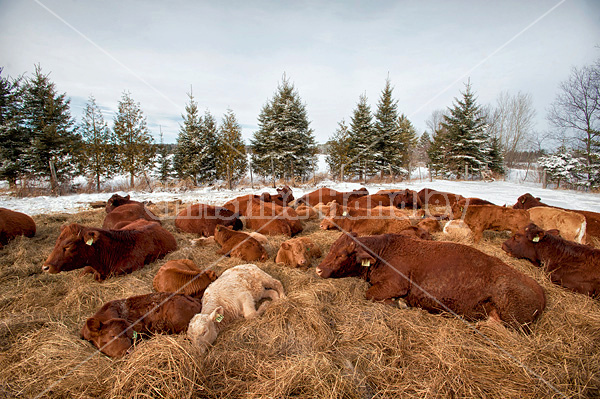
(319,271)
(45,268)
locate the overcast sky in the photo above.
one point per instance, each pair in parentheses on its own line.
(234,53)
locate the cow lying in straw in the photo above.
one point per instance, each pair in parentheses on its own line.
(183,277)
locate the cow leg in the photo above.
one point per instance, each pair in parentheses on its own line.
(248,306)
(477,235)
(384,292)
(271,294)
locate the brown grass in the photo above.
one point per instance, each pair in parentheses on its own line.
(324,340)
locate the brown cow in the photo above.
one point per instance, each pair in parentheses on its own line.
(491,217)
(239,244)
(430,197)
(436,276)
(571,225)
(416,232)
(306,212)
(592,219)
(403,198)
(271,219)
(13,224)
(326,195)
(182,276)
(298,252)
(571,265)
(109,252)
(126,212)
(473,201)
(354,220)
(400,199)
(113,329)
(284,196)
(432,225)
(202,219)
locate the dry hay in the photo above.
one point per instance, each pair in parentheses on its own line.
(324,340)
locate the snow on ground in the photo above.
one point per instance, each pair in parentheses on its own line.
(498,192)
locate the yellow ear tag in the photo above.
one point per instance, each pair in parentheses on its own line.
(219,318)
(90,241)
(365,263)
(345,213)
(536,239)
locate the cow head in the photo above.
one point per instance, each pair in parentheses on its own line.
(115,201)
(527,201)
(299,253)
(523,243)
(328,224)
(113,337)
(73,248)
(341,259)
(202,330)
(285,194)
(407,199)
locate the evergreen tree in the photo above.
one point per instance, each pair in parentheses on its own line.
(232,160)
(405,144)
(467,142)
(14,138)
(362,157)
(496,163)
(135,151)
(98,143)
(389,149)
(438,151)
(187,142)
(338,150)
(205,159)
(564,166)
(284,145)
(164,161)
(55,145)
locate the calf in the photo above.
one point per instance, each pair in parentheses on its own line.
(416,232)
(109,252)
(306,212)
(202,219)
(491,217)
(182,276)
(432,225)
(13,224)
(473,201)
(571,225)
(128,213)
(430,197)
(298,252)
(117,200)
(326,195)
(113,328)
(436,276)
(571,265)
(232,296)
(239,244)
(271,219)
(354,220)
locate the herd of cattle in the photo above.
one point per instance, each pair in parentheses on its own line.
(386,239)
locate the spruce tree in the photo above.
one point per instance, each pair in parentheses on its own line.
(362,157)
(163,161)
(467,141)
(405,144)
(496,161)
(284,145)
(338,150)
(232,162)
(55,145)
(135,149)
(98,143)
(205,159)
(14,138)
(389,149)
(187,141)
(438,151)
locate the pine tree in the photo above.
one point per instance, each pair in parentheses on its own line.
(338,150)
(135,151)
(232,160)
(14,138)
(205,159)
(55,145)
(467,143)
(362,157)
(284,145)
(189,136)
(98,143)
(389,149)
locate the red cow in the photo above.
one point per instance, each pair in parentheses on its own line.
(182,276)
(436,276)
(354,220)
(592,219)
(326,195)
(491,217)
(298,252)
(239,244)
(122,209)
(13,224)
(117,200)
(114,327)
(109,252)
(473,201)
(571,265)
(202,219)
(270,218)
(438,198)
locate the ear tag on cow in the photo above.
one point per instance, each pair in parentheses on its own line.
(345,213)
(90,241)
(365,263)
(536,239)
(219,318)
(135,336)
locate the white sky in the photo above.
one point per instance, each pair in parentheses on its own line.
(234,53)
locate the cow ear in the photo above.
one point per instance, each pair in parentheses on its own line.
(127,197)
(285,245)
(93,324)
(538,237)
(217,314)
(554,232)
(90,237)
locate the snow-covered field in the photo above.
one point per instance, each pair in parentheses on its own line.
(498,192)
